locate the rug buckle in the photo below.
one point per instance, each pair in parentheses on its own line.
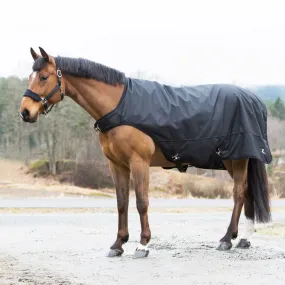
(218,152)
(175,157)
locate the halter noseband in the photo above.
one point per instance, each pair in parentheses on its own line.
(44,101)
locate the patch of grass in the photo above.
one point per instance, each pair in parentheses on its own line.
(202,187)
(277,183)
(40,167)
(38,164)
(158,189)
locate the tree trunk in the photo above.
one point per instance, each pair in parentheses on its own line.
(51,153)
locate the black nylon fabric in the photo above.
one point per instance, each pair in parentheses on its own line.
(200,125)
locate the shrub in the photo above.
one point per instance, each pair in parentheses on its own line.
(40,167)
(89,175)
(202,187)
(279,186)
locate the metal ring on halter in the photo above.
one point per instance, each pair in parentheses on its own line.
(58,72)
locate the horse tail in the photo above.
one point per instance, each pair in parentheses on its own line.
(258,192)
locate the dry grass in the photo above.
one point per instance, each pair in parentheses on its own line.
(88,175)
(163,183)
(277,182)
(278,186)
(185,184)
(205,187)
(273,230)
(15,175)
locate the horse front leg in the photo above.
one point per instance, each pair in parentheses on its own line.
(140,173)
(121,178)
(238,170)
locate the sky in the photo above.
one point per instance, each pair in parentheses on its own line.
(177,42)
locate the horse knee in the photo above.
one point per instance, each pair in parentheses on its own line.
(142,206)
(122,208)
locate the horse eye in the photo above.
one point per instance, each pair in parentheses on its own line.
(44,78)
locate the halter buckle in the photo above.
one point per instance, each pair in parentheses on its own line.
(43,101)
(97,129)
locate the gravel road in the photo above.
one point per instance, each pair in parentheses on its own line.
(66,247)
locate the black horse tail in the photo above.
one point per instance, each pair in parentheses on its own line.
(258,192)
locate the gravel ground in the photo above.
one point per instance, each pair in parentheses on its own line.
(70,248)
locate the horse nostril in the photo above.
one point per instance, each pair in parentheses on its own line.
(26,115)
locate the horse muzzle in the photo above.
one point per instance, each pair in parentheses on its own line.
(26,117)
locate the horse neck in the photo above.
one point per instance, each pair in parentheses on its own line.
(97,98)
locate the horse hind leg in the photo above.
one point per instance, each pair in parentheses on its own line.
(257,200)
(238,170)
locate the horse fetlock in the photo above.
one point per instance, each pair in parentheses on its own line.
(145,237)
(124,238)
(249,229)
(119,242)
(234,235)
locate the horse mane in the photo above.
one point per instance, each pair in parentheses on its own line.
(81,67)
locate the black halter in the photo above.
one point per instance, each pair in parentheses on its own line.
(44,101)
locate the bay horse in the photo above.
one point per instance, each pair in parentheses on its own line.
(98,89)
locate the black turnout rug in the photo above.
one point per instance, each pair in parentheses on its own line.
(199,125)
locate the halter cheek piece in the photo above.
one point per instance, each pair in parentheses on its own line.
(44,101)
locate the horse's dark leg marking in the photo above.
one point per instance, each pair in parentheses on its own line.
(140,173)
(121,178)
(239,174)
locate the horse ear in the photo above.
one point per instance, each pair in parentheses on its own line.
(34,54)
(44,54)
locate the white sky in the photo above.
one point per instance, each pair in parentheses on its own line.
(181,42)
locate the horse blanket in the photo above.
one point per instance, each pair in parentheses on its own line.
(198,125)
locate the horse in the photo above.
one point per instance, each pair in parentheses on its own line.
(130,151)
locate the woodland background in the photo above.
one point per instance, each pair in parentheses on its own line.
(65,145)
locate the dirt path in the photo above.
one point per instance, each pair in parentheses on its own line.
(67,248)
(15,180)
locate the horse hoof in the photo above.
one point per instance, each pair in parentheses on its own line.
(115,252)
(141,251)
(224,245)
(243,243)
